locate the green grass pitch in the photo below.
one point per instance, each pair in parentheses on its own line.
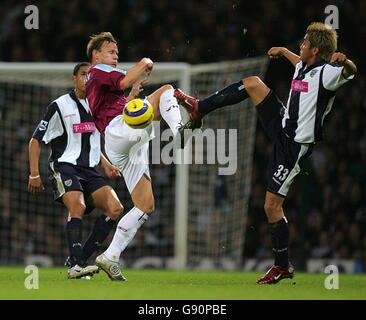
(176,285)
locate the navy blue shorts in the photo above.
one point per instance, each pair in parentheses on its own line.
(287,155)
(67,177)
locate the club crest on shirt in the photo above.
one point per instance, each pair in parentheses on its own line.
(313,72)
(68,182)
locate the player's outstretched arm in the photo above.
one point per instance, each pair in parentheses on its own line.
(145,66)
(349,68)
(34,182)
(276,52)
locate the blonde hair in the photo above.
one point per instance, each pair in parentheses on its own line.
(323,37)
(96,41)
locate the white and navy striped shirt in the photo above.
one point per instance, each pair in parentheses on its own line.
(69,127)
(311,98)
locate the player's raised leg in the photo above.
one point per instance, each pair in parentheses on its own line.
(252,87)
(166,106)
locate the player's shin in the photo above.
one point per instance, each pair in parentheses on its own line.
(170,111)
(126,230)
(232,94)
(280,240)
(102,227)
(74,238)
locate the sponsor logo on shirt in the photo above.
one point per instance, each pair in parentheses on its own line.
(84,127)
(298,85)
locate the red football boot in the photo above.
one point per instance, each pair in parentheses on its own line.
(191,105)
(276,273)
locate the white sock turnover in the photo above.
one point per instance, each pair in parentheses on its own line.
(170,111)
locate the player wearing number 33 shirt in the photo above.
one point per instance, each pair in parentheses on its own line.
(293,129)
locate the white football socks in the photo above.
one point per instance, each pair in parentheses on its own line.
(126,230)
(170,111)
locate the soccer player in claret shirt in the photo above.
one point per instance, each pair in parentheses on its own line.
(105,89)
(293,129)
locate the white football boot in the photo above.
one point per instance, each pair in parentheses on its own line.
(77,272)
(111,268)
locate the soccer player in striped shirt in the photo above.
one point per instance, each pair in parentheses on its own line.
(293,129)
(75,152)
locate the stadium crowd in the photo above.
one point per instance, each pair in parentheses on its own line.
(326,207)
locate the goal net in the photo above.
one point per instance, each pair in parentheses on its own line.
(218,203)
(200,214)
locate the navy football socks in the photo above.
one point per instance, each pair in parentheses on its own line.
(232,94)
(74,239)
(280,239)
(103,225)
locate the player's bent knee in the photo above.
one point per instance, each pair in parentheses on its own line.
(273,211)
(77,210)
(270,207)
(151,209)
(252,82)
(147,206)
(115,211)
(166,87)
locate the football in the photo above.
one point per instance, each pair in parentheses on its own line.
(138,113)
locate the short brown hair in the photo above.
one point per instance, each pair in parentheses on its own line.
(323,37)
(96,41)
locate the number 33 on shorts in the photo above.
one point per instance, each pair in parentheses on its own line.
(282,173)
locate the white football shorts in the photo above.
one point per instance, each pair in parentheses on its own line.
(128,150)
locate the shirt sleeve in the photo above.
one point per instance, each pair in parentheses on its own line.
(50,126)
(108,76)
(333,77)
